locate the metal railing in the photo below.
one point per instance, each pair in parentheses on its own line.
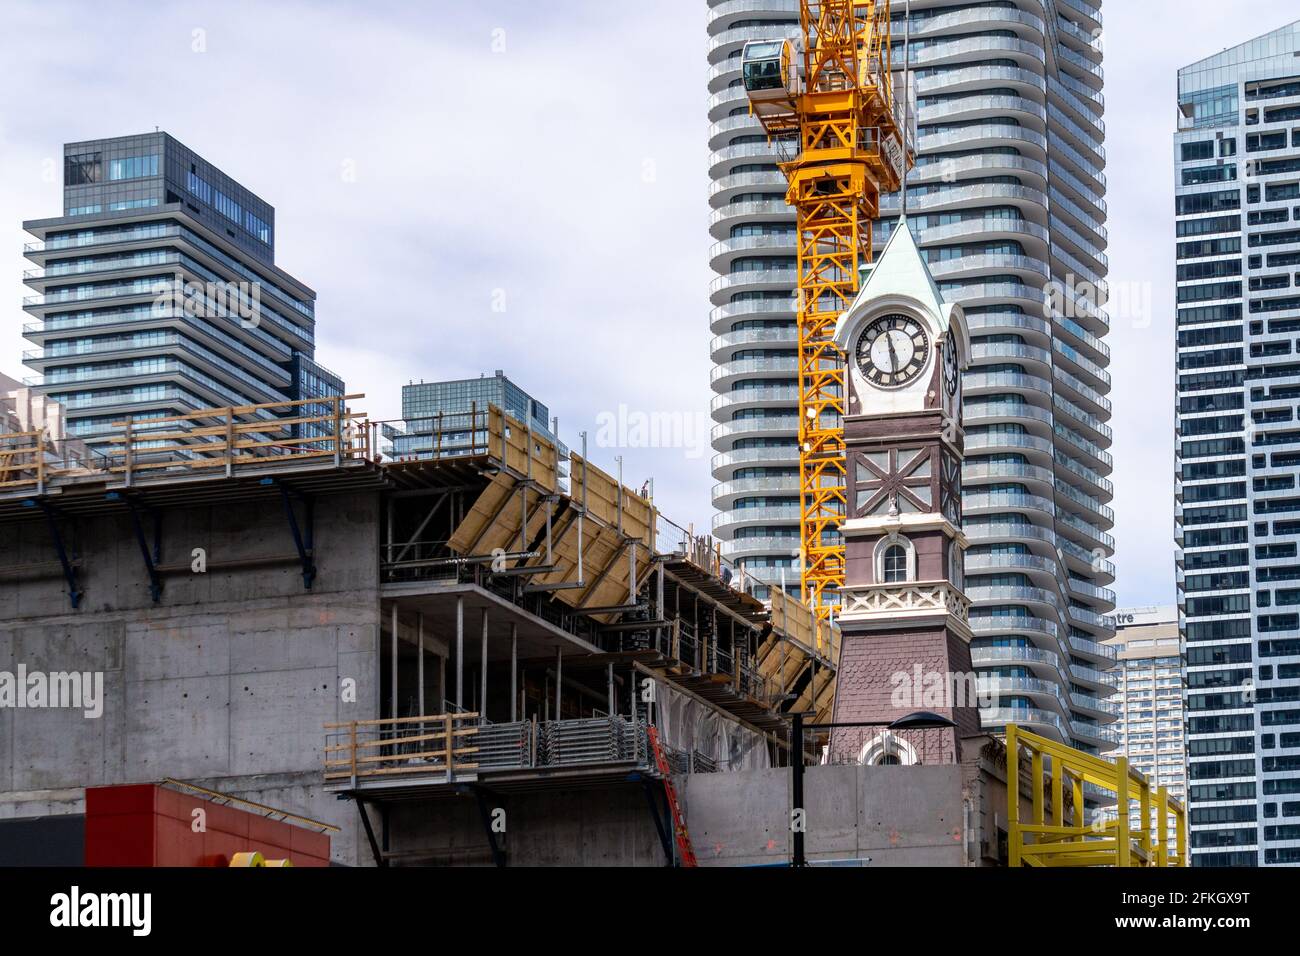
(450,744)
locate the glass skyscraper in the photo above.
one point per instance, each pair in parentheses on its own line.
(156,293)
(1237,183)
(437,415)
(1006,201)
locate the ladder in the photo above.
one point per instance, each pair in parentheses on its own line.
(684,849)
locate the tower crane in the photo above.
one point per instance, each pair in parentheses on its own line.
(827,100)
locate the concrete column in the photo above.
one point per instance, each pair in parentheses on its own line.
(460,653)
(482,685)
(392,669)
(514,672)
(419,637)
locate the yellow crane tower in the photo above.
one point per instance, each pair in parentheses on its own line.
(829,101)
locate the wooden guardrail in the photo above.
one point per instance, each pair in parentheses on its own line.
(228,438)
(436,743)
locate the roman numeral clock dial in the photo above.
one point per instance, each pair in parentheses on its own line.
(893,351)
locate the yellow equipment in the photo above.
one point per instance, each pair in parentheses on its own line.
(1159,839)
(851,147)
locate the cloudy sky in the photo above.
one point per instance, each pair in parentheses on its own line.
(519,185)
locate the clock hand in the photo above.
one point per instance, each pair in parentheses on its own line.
(893,356)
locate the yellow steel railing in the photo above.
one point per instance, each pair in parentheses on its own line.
(1058,842)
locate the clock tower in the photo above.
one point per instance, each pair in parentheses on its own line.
(903,614)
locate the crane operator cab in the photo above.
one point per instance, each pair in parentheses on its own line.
(766,67)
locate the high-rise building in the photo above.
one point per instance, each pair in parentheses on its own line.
(157,293)
(438,413)
(1150,696)
(1237,183)
(1007,205)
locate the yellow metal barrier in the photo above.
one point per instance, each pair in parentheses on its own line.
(1058,842)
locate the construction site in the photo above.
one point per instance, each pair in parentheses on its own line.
(492,652)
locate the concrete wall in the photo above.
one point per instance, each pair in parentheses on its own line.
(897,816)
(598,827)
(226,682)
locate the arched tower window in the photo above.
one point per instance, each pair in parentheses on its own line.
(895,564)
(895,560)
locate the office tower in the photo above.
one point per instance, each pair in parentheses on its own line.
(424,403)
(1150,700)
(1237,179)
(1004,227)
(157,293)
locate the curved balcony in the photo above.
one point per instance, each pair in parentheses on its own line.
(721,160)
(986,136)
(988,444)
(990,625)
(1028,26)
(1043,722)
(958,51)
(722,346)
(725,493)
(1094,706)
(973,476)
(728,41)
(1091,650)
(957,196)
(780,546)
(991,563)
(1010,533)
(724,218)
(975,504)
(728,403)
(724,463)
(723,13)
(724,375)
(954,171)
(768,280)
(978,383)
(721,190)
(724,253)
(977,294)
(771,427)
(1106,681)
(986,229)
(1103,737)
(1026,267)
(1037,599)
(721,318)
(1025,109)
(1049,661)
(726,523)
(1046,692)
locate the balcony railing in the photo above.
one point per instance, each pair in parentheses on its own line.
(449,747)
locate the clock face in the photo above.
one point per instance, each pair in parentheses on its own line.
(951,373)
(893,351)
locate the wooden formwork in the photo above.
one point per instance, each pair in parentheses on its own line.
(509,518)
(799,644)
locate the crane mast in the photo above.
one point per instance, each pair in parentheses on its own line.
(833,97)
